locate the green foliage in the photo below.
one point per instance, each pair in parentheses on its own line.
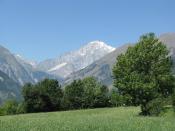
(95,94)
(173,100)
(9,108)
(21,109)
(73,95)
(48,95)
(116,99)
(144,72)
(101,98)
(91,90)
(127,99)
(86,93)
(155,107)
(2,111)
(42,97)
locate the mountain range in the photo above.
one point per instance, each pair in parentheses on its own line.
(74,61)
(94,59)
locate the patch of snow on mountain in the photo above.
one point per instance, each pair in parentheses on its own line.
(57,67)
(99,44)
(1,79)
(20,81)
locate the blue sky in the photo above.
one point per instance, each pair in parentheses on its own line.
(41,29)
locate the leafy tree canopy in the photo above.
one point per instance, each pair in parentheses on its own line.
(144,71)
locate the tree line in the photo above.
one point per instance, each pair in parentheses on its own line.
(48,96)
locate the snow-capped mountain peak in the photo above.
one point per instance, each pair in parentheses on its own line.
(97,45)
(76,60)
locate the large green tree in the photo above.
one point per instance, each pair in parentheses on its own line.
(43,97)
(144,72)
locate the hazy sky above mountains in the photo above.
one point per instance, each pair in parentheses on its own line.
(40,29)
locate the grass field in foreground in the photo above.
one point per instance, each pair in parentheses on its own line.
(107,119)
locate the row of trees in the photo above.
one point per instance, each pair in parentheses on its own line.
(86,93)
(48,95)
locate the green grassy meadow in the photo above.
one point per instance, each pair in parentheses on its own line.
(107,119)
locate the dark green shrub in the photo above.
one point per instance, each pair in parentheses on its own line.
(155,107)
(2,111)
(116,99)
(173,101)
(101,98)
(21,109)
(44,96)
(10,107)
(127,100)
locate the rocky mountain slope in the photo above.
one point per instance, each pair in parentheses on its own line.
(9,89)
(100,69)
(36,74)
(10,66)
(21,70)
(169,40)
(76,60)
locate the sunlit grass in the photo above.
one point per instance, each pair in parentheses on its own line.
(107,119)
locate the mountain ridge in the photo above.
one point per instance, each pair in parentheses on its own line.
(100,69)
(73,61)
(10,66)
